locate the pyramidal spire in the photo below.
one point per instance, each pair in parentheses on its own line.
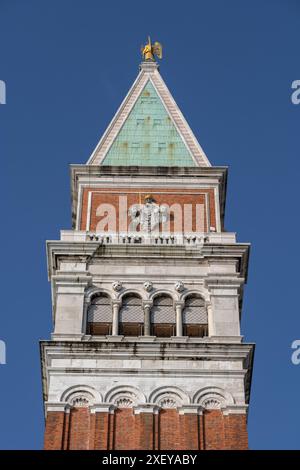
(149,128)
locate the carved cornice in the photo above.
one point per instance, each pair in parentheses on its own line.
(93,251)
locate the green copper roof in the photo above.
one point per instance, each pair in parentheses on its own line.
(148,136)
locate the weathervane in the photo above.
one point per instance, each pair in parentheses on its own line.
(150,50)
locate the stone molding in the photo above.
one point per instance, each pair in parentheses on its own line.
(149,408)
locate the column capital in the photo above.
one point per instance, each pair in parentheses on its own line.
(147,303)
(190,409)
(103,408)
(146,408)
(235,410)
(57,406)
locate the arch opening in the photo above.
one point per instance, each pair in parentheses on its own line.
(99,315)
(131,316)
(194,317)
(163,317)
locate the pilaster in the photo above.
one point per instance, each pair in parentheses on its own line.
(69,292)
(224,314)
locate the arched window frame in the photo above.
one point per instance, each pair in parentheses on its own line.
(196,325)
(131,310)
(99,315)
(162,317)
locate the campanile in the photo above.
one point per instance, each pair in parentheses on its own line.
(147,287)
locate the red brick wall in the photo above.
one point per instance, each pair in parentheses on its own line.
(146,431)
(79,429)
(236,432)
(66,432)
(54,431)
(161,196)
(170,435)
(101,431)
(124,430)
(190,431)
(214,436)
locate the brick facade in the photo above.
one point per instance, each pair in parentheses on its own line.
(204,197)
(79,429)
(124,430)
(54,432)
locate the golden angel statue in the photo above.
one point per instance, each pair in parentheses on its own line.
(149,50)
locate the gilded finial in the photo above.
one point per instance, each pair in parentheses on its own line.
(150,50)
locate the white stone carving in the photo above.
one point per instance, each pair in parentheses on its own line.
(211,404)
(213,398)
(124,402)
(148,286)
(148,215)
(80,402)
(169,393)
(117,286)
(125,396)
(179,286)
(167,403)
(80,392)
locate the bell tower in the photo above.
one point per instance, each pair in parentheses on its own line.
(147,289)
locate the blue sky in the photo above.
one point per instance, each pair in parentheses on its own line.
(229,64)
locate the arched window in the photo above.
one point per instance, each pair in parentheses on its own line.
(99,316)
(194,317)
(131,316)
(163,317)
